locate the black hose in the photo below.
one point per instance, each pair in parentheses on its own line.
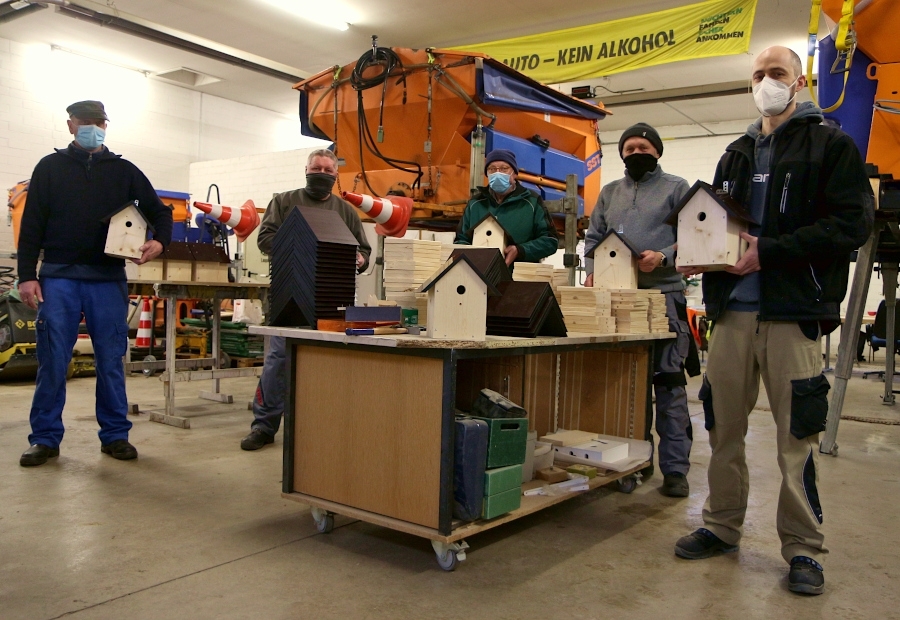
(388,60)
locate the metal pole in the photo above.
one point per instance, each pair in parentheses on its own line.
(171,303)
(570,208)
(843,367)
(889,273)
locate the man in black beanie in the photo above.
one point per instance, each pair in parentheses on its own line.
(636,207)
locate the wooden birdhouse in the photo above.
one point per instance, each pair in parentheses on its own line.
(615,262)
(489,233)
(127,231)
(210,263)
(457,301)
(179,262)
(709,226)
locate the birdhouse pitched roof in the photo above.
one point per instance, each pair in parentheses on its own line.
(732,207)
(634,251)
(178,250)
(208,253)
(506,233)
(130,203)
(448,266)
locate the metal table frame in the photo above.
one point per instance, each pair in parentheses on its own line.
(188,370)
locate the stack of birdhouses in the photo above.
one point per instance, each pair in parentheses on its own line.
(533,272)
(407,264)
(587,310)
(631,308)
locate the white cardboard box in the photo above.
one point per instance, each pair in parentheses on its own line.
(594,452)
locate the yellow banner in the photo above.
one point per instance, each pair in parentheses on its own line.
(713,28)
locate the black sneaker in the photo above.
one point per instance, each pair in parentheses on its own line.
(675,485)
(37,454)
(702,544)
(256,440)
(806,576)
(120,449)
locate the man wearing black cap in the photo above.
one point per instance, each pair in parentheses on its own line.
(636,207)
(519,210)
(72,191)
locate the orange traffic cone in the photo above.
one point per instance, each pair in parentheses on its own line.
(391,214)
(143,332)
(244,220)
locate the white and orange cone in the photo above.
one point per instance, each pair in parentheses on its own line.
(244,220)
(391,214)
(143,332)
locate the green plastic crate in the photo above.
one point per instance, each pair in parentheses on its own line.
(507,441)
(501,503)
(502,479)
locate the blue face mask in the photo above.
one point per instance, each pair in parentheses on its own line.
(499,182)
(90,137)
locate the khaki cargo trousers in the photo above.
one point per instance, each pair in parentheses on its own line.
(741,350)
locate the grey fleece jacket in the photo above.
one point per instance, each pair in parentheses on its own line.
(638,211)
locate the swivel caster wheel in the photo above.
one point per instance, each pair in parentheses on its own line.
(324,520)
(149,371)
(449,555)
(627,484)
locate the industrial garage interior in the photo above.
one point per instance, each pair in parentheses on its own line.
(200,96)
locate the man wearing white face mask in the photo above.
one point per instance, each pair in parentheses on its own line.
(521,212)
(71,194)
(806,184)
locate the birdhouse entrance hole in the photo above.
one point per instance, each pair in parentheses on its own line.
(701,216)
(612,254)
(128,224)
(488,233)
(461,289)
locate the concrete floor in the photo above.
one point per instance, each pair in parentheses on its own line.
(196,528)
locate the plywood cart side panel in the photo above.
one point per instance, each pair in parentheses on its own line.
(383,456)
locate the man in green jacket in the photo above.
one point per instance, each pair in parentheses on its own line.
(519,210)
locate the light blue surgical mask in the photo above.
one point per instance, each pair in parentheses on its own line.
(499,182)
(90,137)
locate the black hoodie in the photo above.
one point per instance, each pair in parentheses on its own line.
(70,194)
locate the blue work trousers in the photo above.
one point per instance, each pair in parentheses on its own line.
(268,405)
(104,306)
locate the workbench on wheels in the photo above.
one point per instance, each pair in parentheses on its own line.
(207,368)
(369,420)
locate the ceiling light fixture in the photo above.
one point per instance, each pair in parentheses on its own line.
(59,48)
(325,14)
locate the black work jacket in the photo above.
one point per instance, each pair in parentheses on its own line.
(819,209)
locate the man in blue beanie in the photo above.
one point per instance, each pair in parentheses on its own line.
(519,210)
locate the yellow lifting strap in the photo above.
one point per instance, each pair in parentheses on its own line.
(844,43)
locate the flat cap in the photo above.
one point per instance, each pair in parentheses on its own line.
(88,110)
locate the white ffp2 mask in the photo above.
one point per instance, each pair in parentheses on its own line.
(772,97)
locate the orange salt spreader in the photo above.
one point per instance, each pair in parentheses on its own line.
(419,123)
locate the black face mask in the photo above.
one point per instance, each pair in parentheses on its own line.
(319,184)
(639,164)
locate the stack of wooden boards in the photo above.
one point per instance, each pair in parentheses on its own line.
(533,272)
(587,310)
(560,279)
(631,308)
(659,322)
(313,268)
(407,264)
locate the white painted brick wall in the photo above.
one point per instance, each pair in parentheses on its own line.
(160,127)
